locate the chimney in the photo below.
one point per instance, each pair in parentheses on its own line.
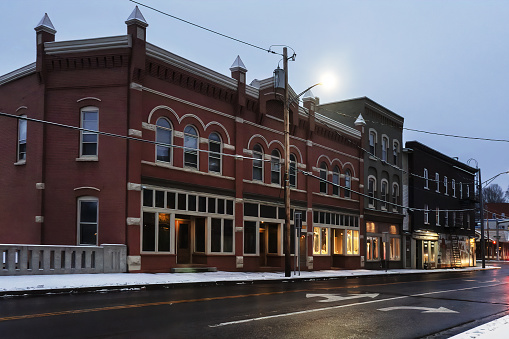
(45,32)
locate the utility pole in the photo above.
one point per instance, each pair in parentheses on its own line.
(483,245)
(288,268)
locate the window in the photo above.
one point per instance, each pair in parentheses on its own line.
(22,139)
(257,163)
(453,186)
(337,240)
(468,190)
(395,249)
(348,183)
(190,147)
(250,237)
(426,214)
(437,216)
(335,181)
(461,190)
(437,181)
(275,167)
(221,235)
(214,153)
(468,221)
(89,140)
(385,148)
(384,194)
(426,178)
(156,232)
(395,197)
(395,152)
(372,143)
(445,186)
(320,240)
(163,136)
(372,248)
(293,171)
(88,218)
(371,192)
(454,219)
(323,178)
(352,242)
(446,218)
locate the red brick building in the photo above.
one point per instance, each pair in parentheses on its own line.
(192,171)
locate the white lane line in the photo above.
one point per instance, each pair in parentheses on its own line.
(348,305)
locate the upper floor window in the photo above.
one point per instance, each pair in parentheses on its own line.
(437,181)
(437,216)
(89,139)
(384,194)
(426,214)
(385,148)
(323,177)
(214,152)
(461,190)
(426,180)
(371,192)
(372,143)
(453,186)
(190,147)
(395,152)
(88,220)
(395,197)
(335,180)
(348,183)
(468,190)
(164,137)
(275,167)
(293,171)
(257,162)
(22,139)
(445,186)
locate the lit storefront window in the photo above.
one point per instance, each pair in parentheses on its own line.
(372,248)
(352,242)
(338,239)
(395,249)
(320,240)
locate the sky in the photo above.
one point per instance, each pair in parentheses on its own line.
(442,65)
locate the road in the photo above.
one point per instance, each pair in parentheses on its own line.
(407,306)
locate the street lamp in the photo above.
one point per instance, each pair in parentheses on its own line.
(281,81)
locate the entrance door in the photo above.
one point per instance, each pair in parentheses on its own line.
(428,254)
(183,228)
(263,245)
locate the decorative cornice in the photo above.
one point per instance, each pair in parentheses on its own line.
(86,45)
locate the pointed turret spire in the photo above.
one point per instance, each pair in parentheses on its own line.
(136,18)
(360,121)
(238,65)
(45,25)
(308,95)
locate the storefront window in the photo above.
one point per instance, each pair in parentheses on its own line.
(250,237)
(395,249)
(320,240)
(372,248)
(352,242)
(338,239)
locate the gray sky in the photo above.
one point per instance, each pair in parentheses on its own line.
(442,65)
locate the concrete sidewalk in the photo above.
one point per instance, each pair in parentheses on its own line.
(78,283)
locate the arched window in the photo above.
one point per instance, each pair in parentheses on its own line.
(214,152)
(372,143)
(293,170)
(371,192)
(348,183)
(258,162)
(385,148)
(89,140)
(88,220)
(323,177)
(385,196)
(275,167)
(190,147)
(395,197)
(335,180)
(395,152)
(22,139)
(163,136)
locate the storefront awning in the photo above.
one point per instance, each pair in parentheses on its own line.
(425,235)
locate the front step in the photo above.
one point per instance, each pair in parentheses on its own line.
(193,269)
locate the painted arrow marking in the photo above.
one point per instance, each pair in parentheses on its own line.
(335,297)
(423,309)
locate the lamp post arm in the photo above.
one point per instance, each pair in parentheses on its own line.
(302,93)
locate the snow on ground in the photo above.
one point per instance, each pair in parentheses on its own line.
(496,329)
(75,281)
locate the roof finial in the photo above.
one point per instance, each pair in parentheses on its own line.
(238,65)
(136,18)
(45,25)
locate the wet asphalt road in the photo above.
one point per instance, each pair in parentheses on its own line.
(434,305)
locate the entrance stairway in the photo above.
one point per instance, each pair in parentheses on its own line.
(456,256)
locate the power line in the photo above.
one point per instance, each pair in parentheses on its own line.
(205,28)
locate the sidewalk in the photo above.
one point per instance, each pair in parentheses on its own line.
(72,283)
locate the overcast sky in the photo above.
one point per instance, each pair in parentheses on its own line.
(442,65)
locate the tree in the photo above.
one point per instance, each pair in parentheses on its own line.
(493,194)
